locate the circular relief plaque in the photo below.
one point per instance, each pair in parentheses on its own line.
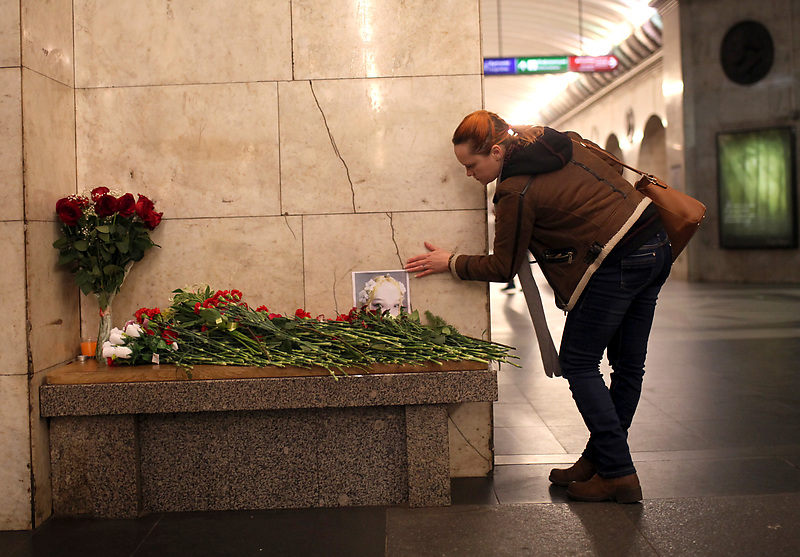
(747,52)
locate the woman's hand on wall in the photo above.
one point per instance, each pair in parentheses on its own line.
(436,260)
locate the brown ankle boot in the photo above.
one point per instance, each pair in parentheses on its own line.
(581,471)
(625,489)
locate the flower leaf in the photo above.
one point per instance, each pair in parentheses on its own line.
(67,257)
(123,245)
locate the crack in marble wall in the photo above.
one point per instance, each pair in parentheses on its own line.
(289,226)
(477,451)
(394,239)
(333,144)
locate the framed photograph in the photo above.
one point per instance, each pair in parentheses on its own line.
(382,290)
(757,192)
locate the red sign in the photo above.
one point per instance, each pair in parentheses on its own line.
(593,63)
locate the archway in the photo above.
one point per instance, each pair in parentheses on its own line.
(653,151)
(612,146)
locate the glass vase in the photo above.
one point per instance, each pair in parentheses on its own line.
(105,304)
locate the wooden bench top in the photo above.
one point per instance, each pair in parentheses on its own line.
(89,372)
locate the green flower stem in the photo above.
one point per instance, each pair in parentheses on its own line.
(240,336)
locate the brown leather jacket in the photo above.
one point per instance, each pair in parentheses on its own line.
(566,205)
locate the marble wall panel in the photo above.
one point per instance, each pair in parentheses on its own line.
(13,356)
(262,257)
(197,151)
(315,178)
(48,109)
(47,45)
(52,300)
(337,245)
(151,42)
(382,38)
(9,33)
(471,434)
(11,143)
(15,477)
(381,145)
(464,304)
(40,454)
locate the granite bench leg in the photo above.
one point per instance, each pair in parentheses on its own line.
(94,464)
(428,447)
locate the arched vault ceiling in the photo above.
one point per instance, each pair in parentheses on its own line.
(518,28)
(545,27)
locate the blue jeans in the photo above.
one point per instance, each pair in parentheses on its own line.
(614,314)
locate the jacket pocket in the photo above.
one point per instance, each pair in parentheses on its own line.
(560,255)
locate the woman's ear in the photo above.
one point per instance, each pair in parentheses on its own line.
(497,152)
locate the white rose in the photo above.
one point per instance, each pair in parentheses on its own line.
(108,349)
(133,330)
(123,352)
(115,337)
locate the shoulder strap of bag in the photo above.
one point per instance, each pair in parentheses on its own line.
(613,158)
(533,300)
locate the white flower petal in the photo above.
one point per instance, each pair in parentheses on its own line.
(115,337)
(108,349)
(133,330)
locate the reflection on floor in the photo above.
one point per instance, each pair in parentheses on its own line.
(716,442)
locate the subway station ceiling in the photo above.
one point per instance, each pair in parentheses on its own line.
(629,29)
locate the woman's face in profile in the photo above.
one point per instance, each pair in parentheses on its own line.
(387,297)
(484,168)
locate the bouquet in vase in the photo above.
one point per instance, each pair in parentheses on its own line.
(103,234)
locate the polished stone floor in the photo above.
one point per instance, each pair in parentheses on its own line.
(716,442)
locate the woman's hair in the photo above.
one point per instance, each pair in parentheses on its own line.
(482,130)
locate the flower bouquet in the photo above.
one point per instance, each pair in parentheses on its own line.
(216,328)
(104,234)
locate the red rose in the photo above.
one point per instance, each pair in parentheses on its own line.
(152,220)
(126,205)
(69,211)
(143,206)
(105,205)
(97,193)
(146,211)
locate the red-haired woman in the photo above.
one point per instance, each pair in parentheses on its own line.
(602,248)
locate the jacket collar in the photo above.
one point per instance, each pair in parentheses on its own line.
(549,152)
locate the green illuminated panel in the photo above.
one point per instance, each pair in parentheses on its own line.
(543,64)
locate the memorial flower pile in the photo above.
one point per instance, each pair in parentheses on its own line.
(206,327)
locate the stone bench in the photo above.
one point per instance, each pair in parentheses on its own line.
(127,441)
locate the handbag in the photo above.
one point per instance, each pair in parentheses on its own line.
(681,214)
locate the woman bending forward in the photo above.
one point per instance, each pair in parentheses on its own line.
(602,248)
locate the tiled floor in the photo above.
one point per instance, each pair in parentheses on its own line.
(716,442)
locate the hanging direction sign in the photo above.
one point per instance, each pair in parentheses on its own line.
(549,64)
